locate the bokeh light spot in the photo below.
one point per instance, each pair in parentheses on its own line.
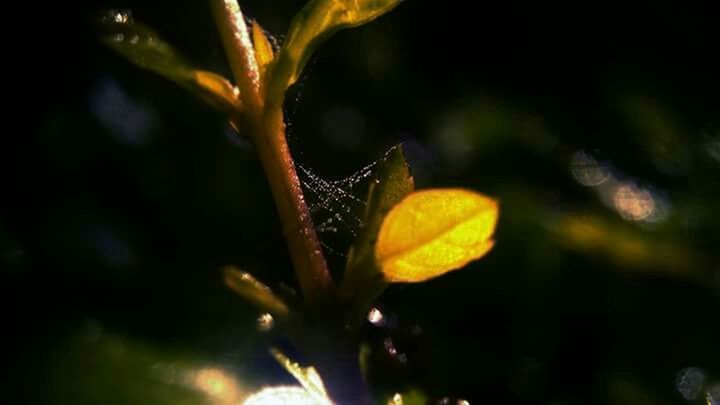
(689,382)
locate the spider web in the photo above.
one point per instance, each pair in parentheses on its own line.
(334,204)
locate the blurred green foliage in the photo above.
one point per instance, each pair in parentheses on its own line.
(131,197)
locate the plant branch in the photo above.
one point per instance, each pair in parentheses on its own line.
(239,50)
(335,356)
(305,249)
(268,134)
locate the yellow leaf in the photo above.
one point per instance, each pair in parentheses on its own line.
(263,49)
(432,232)
(218,91)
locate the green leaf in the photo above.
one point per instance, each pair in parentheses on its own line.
(142,46)
(317,21)
(391,184)
(308,377)
(248,287)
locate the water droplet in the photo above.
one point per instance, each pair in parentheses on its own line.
(265,322)
(121,17)
(118,16)
(689,382)
(375,317)
(396,399)
(377,181)
(118,37)
(390,347)
(135,39)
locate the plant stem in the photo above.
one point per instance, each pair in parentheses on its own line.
(334,353)
(268,135)
(337,363)
(305,249)
(239,50)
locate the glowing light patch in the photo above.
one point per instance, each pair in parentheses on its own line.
(285,395)
(217,384)
(633,203)
(396,399)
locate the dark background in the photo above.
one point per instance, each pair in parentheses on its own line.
(125,195)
